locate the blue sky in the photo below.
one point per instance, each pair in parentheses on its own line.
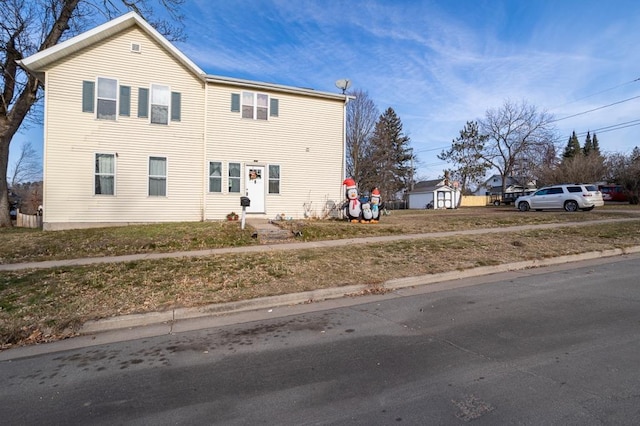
(438,64)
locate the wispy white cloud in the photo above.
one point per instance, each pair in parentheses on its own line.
(438,64)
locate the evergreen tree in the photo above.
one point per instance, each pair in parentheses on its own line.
(392,157)
(596,145)
(588,145)
(573,146)
(465,155)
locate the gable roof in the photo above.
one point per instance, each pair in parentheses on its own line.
(427,185)
(38,61)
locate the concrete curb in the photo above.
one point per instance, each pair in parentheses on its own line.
(173,316)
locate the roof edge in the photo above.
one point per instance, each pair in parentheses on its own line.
(230,81)
(43,58)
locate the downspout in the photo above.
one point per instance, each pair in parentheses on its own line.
(344,139)
(205,173)
(44,151)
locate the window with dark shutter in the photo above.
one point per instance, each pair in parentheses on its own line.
(125,101)
(273,107)
(175,106)
(143,102)
(235,102)
(88,94)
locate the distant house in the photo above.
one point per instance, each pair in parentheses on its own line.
(135,132)
(434,193)
(493,185)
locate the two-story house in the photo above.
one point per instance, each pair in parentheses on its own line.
(135,132)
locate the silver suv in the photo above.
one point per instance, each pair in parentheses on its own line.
(568,197)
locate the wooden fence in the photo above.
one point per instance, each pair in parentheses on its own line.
(474,201)
(28,220)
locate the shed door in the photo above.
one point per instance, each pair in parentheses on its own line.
(254,177)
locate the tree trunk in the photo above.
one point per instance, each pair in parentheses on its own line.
(5,218)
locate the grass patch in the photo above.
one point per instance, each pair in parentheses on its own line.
(49,304)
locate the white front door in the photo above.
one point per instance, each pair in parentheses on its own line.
(255,179)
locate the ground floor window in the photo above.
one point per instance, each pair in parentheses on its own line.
(274,179)
(157,176)
(215,176)
(234,177)
(105,174)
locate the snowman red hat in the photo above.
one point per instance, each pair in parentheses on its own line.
(375,192)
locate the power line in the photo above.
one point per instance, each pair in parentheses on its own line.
(597,93)
(595,109)
(605,129)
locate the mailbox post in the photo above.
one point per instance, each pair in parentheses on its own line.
(244,203)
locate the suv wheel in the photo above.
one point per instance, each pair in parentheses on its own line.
(523,206)
(571,206)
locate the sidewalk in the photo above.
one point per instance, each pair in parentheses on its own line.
(265,227)
(135,326)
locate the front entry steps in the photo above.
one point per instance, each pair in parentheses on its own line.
(267,232)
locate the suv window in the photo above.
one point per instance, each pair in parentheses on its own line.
(555,190)
(574,189)
(591,187)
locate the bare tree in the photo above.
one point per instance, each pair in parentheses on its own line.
(28,27)
(578,169)
(625,170)
(362,114)
(516,134)
(26,167)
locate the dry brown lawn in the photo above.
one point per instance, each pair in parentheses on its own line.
(49,304)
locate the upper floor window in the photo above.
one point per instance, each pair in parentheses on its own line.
(105,175)
(160,100)
(104,101)
(248,102)
(107,98)
(255,105)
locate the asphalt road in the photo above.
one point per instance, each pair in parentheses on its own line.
(558,345)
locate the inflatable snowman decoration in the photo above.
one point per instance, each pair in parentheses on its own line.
(375,205)
(353,210)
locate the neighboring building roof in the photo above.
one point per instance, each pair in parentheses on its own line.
(37,62)
(432,189)
(427,185)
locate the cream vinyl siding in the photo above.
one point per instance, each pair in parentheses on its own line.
(72,138)
(305,140)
